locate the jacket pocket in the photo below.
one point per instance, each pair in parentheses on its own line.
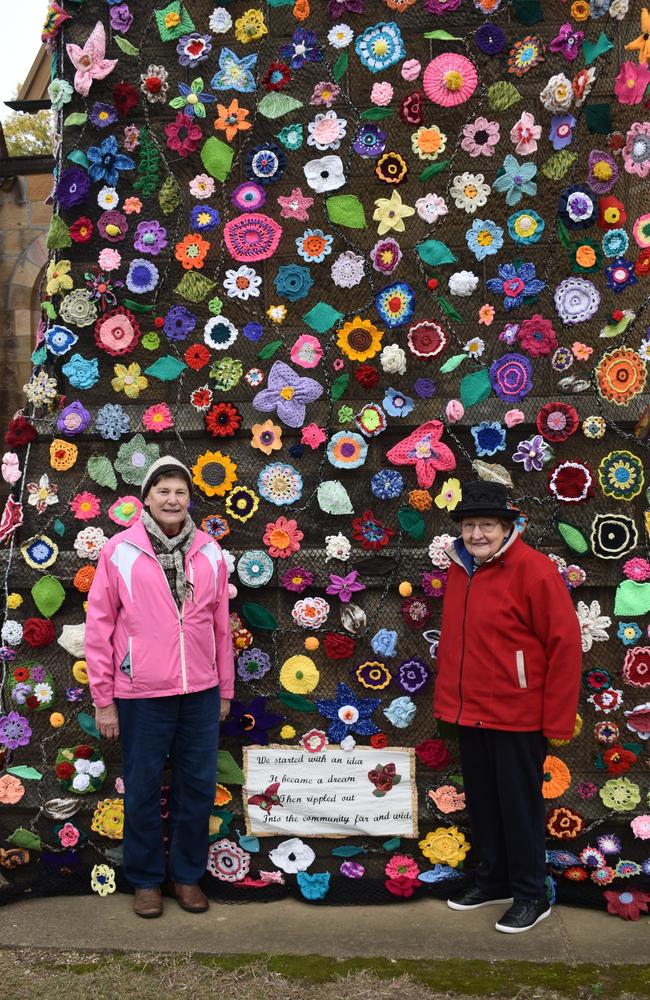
(126,666)
(521,668)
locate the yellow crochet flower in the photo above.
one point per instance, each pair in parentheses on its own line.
(390,213)
(450,495)
(129,380)
(58,277)
(287,732)
(214,473)
(102,880)
(250,27)
(299,674)
(108,818)
(14,601)
(445,846)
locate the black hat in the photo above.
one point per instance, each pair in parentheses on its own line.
(484,499)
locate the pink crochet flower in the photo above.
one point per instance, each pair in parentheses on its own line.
(402,864)
(109,260)
(525,134)
(158,418)
(85,506)
(68,835)
(450,79)
(480,137)
(631,83)
(381,94)
(537,336)
(89,61)
(637,569)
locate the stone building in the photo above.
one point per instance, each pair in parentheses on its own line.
(25,184)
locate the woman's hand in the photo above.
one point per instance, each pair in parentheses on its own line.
(225,709)
(107,721)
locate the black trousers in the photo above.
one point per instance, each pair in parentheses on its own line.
(503,774)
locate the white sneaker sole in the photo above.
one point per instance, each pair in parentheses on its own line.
(476,906)
(520,930)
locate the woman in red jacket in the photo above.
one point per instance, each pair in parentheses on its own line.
(508,673)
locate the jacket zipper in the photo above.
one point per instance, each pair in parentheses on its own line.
(462,653)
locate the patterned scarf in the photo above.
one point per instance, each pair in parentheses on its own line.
(171,552)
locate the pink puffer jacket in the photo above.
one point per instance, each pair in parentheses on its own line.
(139,644)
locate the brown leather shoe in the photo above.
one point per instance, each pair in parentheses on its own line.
(190,897)
(148,903)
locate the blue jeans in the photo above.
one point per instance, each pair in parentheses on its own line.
(185,728)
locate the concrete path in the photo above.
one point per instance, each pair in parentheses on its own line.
(425,929)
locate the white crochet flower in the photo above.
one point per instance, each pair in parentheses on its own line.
(80,782)
(557,95)
(593,625)
(89,542)
(220,21)
(340,35)
(469,191)
(12,633)
(437,550)
(618,9)
(337,547)
(324,174)
(431,207)
(463,283)
(393,360)
(292,856)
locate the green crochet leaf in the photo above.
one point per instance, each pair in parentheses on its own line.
(148,176)
(169,196)
(195,287)
(274,105)
(441,36)
(87,724)
(346,210)
(632,599)
(101,471)
(599,118)
(138,307)
(217,157)
(434,252)
(392,844)
(591,50)
(558,164)
(296,702)
(475,388)
(125,45)
(322,317)
(270,349)
(563,233)
(452,363)
(26,772)
(58,236)
(339,385)
(48,595)
(448,309)
(340,66)
(572,537)
(433,169)
(347,851)
(79,157)
(228,770)
(376,114)
(411,522)
(257,616)
(502,95)
(25,839)
(166,369)
(76,118)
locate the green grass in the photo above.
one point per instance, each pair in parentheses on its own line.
(30,974)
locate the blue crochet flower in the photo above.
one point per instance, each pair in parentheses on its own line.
(293,282)
(348,713)
(384,643)
(395,304)
(203,218)
(484,238)
(59,340)
(142,276)
(313,886)
(526,226)
(400,712)
(516,283)
(106,161)
(628,633)
(112,422)
(235,73)
(387,484)
(439,873)
(380,46)
(489,438)
(615,242)
(81,373)
(397,404)
(515,180)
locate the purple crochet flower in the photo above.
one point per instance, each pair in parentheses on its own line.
(251,723)
(102,115)
(441,6)
(21,693)
(531,453)
(193,49)
(287,393)
(73,419)
(339,8)
(296,579)
(490,39)
(303,48)
(568,42)
(561,133)
(14,731)
(121,18)
(72,187)
(179,323)
(150,237)
(38,674)
(252,664)
(516,283)
(344,587)
(412,675)
(511,377)
(424,388)
(352,869)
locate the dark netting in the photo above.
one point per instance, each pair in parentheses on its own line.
(585,810)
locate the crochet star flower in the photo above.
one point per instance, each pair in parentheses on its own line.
(390,213)
(515,283)
(106,162)
(287,393)
(344,586)
(89,61)
(424,449)
(515,180)
(348,713)
(251,723)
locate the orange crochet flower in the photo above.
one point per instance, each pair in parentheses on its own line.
(191,251)
(557,778)
(283,537)
(621,375)
(420,500)
(231,119)
(83,578)
(11,789)
(564,824)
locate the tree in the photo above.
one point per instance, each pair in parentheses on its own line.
(28,135)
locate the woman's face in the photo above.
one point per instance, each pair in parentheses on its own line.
(167,502)
(483,536)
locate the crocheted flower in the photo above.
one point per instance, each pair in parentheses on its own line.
(449,80)
(90,62)
(288,394)
(250,722)
(515,180)
(445,845)
(380,46)
(349,714)
(515,283)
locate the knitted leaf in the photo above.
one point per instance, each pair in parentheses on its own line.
(340,66)
(195,287)
(475,388)
(166,369)
(274,105)
(59,235)
(433,169)
(502,95)
(346,210)
(217,157)
(322,317)
(169,196)
(572,537)
(434,252)
(558,164)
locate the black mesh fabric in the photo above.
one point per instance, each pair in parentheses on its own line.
(405,558)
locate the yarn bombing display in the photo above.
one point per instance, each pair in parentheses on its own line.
(338,257)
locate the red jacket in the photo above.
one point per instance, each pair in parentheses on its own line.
(510,653)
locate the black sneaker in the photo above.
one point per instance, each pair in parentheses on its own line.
(473,898)
(523,915)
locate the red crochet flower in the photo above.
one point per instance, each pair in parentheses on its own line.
(411,108)
(401,885)
(84,751)
(636,667)
(379,741)
(81,230)
(64,770)
(197,357)
(223,420)
(372,534)
(564,824)
(366,376)
(382,777)
(337,646)
(627,904)
(416,611)
(618,760)
(125,97)
(38,632)
(20,432)
(433,754)
(183,134)
(572,482)
(642,263)
(537,336)
(557,421)
(277,76)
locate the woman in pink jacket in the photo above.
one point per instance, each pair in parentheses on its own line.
(161,669)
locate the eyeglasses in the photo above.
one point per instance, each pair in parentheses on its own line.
(485,527)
